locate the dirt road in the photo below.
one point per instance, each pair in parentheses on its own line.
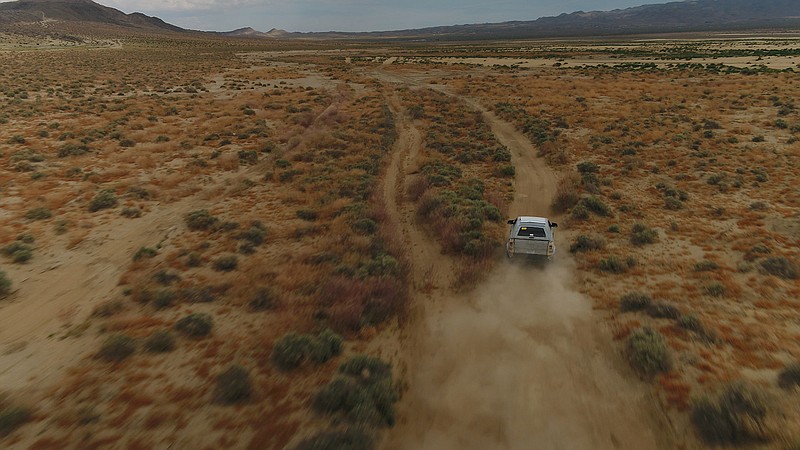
(520,362)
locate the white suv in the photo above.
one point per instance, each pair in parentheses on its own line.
(531,236)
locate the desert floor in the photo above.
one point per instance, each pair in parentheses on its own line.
(210,244)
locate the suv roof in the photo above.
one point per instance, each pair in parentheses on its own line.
(532,219)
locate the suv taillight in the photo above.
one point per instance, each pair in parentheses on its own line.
(551,248)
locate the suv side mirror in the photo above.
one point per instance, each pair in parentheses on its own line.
(511,221)
(553,225)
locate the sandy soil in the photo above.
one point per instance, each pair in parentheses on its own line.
(520,360)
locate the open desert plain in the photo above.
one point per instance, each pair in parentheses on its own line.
(221,243)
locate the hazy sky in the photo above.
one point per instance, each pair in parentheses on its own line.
(353,15)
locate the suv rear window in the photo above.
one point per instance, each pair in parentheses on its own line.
(532,231)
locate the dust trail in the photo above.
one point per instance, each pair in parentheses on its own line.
(517,364)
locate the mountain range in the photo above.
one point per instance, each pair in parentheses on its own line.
(689,15)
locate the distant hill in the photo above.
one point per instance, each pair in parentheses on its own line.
(87,11)
(681,16)
(78,17)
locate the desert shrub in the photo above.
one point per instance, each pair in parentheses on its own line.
(348,438)
(595,205)
(193,260)
(200,220)
(588,167)
(291,350)
(233,386)
(706,266)
(780,267)
(366,368)
(72,150)
(103,200)
(365,226)
(116,348)
(144,252)
(661,310)
(225,263)
(248,156)
(634,301)
(166,277)
(5,284)
(737,416)
(195,325)
(642,235)
(567,195)
(613,264)
(789,377)
(164,299)
(263,299)
(506,171)
(18,251)
(38,214)
(325,346)
(647,352)
(255,234)
(672,203)
(11,418)
(131,212)
(585,243)
(579,212)
(715,289)
(307,214)
(364,393)
(160,342)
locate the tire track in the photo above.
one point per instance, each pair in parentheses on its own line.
(520,362)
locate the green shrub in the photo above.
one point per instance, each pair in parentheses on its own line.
(673,203)
(18,251)
(647,352)
(144,252)
(706,266)
(737,416)
(325,346)
(72,150)
(364,394)
(131,212)
(233,386)
(103,200)
(780,267)
(585,243)
(200,220)
(789,376)
(613,264)
(160,342)
(5,284)
(38,214)
(116,348)
(264,299)
(226,263)
(661,310)
(164,299)
(715,289)
(595,205)
(506,171)
(579,212)
(588,167)
(255,234)
(365,226)
(307,214)
(195,325)
(642,235)
(634,301)
(291,350)
(11,418)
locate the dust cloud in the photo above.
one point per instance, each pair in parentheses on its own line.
(519,364)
